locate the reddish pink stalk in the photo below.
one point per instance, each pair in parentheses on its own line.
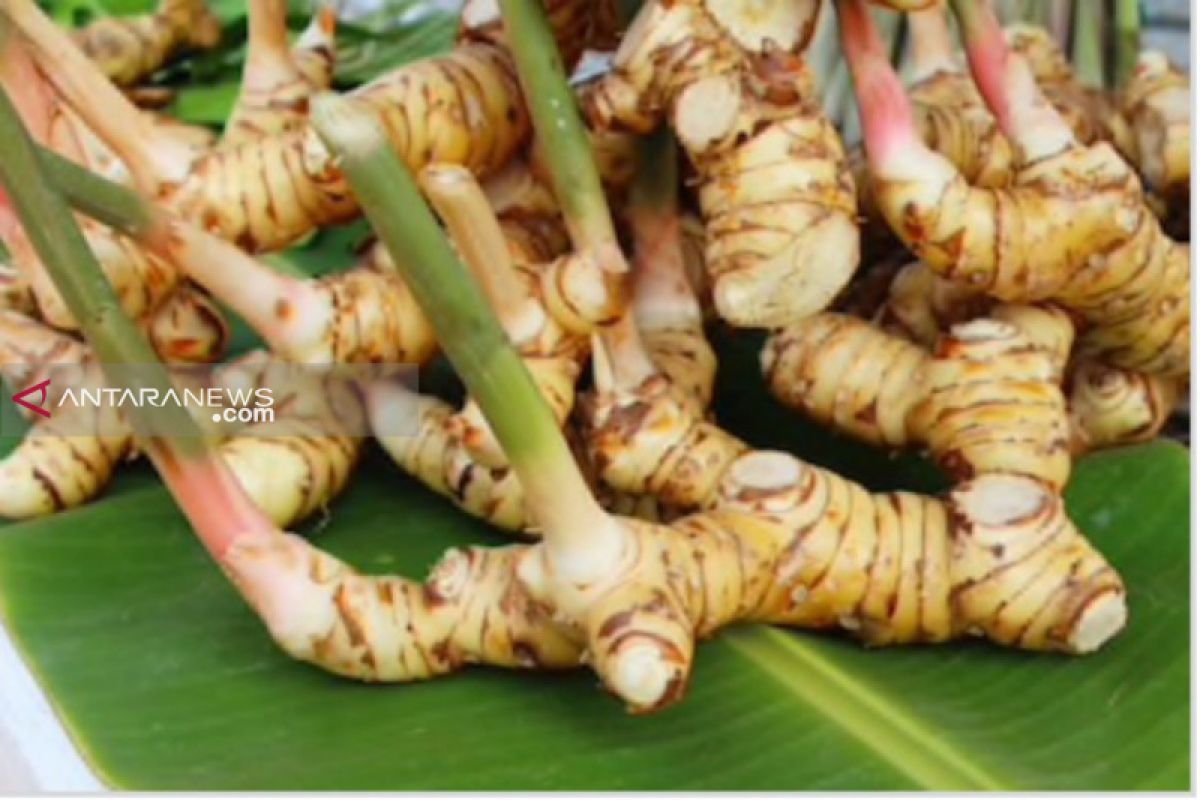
(209,496)
(887,118)
(1008,86)
(988,55)
(27,89)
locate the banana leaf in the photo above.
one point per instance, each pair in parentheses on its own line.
(165,681)
(206,84)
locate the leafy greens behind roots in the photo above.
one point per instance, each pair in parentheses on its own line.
(166,681)
(204,700)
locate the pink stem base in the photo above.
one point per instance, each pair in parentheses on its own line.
(889,132)
(209,496)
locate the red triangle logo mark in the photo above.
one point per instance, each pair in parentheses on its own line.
(19,398)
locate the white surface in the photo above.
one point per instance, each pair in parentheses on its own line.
(35,752)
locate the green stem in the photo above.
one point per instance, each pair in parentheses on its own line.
(469,332)
(180,450)
(207,493)
(48,222)
(1129,39)
(106,201)
(1087,43)
(1033,11)
(247,285)
(561,134)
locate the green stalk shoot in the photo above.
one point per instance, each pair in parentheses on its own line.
(1128,25)
(573,525)
(180,450)
(1087,44)
(562,137)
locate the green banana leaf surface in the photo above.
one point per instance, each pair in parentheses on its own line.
(164,680)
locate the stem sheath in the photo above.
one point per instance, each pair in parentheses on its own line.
(1129,39)
(930,42)
(1087,43)
(657,185)
(571,521)
(47,220)
(209,496)
(662,294)
(561,135)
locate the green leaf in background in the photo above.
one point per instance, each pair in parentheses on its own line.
(206,104)
(166,681)
(364,53)
(208,84)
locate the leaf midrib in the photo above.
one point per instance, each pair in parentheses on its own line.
(890,730)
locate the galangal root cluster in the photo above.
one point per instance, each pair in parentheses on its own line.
(989,409)
(774,187)
(1109,406)
(1022,305)
(771,539)
(1072,228)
